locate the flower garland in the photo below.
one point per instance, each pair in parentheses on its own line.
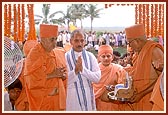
(32,32)
(5,20)
(136,13)
(33,23)
(29,34)
(144,15)
(147,20)
(18,23)
(162,20)
(156,20)
(9,20)
(23,23)
(140,14)
(152,20)
(15,22)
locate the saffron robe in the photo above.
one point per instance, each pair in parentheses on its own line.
(141,75)
(38,64)
(111,75)
(21,103)
(156,97)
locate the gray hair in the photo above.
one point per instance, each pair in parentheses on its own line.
(78,31)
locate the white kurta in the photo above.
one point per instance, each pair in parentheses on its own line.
(80,96)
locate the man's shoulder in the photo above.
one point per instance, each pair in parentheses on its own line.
(67,53)
(91,55)
(37,50)
(59,49)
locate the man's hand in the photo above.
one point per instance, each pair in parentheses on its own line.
(136,97)
(158,64)
(78,66)
(58,72)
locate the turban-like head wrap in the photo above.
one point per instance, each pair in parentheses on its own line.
(135,31)
(48,31)
(105,49)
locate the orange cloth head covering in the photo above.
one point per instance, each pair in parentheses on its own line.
(105,49)
(48,31)
(135,31)
(29,44)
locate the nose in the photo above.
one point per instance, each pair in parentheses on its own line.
(106,57)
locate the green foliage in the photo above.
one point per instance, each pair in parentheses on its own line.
(92,50)
(155,39)
(121,50)
(99,33)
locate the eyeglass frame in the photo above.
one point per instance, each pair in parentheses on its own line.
(128,43)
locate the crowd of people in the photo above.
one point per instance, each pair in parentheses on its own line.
(60,74)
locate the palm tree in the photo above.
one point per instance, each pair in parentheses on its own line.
(78,12)
(46,18)
(69,16)
(93,12)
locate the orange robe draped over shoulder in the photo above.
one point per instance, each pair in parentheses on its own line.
(21,103)
(156,97)
(110,75)
(141,75)
(38,64)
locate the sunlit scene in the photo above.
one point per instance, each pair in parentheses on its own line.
(101,57)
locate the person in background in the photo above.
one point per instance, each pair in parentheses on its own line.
(145,70)
(116,57)
(160,40)
(83,70)
(42,76)
(11,95)
(112,74)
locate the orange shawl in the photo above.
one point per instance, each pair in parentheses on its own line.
(110,75)
(141,74)
(38,64)
(61,62)
(156,97)
(21,103)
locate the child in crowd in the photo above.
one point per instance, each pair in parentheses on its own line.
(11,94)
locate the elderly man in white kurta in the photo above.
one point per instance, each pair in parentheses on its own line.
(83,70)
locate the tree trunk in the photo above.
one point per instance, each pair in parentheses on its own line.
(91,24)
(81,24)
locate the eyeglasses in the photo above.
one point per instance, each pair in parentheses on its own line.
(77,41)
(104,56)
(128,43)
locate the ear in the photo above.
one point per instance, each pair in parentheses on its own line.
(71,41)
(112,57)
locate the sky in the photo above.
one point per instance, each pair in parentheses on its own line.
(115,16)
